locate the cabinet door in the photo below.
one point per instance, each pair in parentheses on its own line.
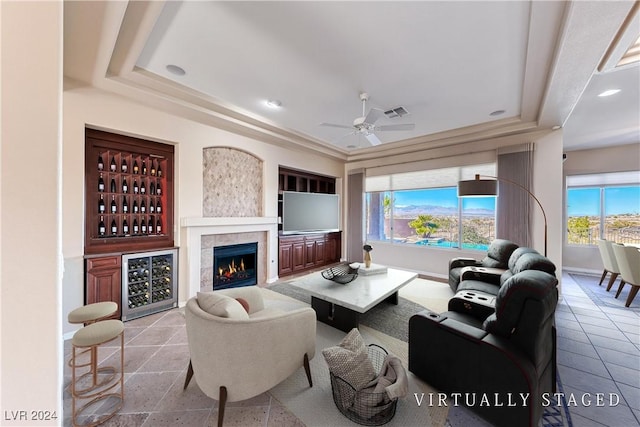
(298,255)
(321,252)
(333,247)
(309,253)
(285,259)
(103,282)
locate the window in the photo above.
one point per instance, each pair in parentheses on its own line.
(415,208)
(603,206)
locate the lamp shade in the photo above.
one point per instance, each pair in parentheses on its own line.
(478,187)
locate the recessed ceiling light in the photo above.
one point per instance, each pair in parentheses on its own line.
(497,113)
(609,92)
(174,69)
(274,103)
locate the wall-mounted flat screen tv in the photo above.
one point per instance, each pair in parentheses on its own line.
(309,212)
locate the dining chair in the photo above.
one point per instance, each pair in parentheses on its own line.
(628,258)
(609,262)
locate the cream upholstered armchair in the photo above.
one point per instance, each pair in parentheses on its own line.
(246,347)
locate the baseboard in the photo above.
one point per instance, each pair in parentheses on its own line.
(582,271)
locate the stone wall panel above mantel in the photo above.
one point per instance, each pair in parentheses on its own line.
(231,183)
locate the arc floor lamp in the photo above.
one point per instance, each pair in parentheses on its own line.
(489,187)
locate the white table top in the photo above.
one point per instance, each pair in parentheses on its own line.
(359,295)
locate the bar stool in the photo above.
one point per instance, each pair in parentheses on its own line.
(91,337)
(91,313)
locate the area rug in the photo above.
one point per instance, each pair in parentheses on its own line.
(600,296)
(388,318)
(315,407)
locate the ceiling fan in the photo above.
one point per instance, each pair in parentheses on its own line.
(365,125)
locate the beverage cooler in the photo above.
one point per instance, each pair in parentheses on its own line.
(150,283)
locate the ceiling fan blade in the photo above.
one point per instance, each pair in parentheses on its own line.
(407,126)
(373,139)
(333,125)
(373,115)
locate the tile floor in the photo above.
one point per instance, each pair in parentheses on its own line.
(598,352)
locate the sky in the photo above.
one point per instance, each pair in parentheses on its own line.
(446,197)
(618,200)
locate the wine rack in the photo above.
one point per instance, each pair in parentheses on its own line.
(149,283)
(129,194)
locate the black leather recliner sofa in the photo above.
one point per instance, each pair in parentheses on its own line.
(498,362)
(497,258)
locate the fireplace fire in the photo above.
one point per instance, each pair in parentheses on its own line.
(235,265)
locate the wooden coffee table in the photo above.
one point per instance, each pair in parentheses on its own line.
(340,305)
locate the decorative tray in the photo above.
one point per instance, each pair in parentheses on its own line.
(342,273)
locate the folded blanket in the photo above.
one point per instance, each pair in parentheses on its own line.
(390,384)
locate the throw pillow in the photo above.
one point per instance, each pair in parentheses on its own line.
(221,305)
(350,361)
(244,303)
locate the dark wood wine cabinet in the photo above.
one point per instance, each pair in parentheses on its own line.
(129,193)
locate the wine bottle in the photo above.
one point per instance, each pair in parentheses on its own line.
(101,207)
(125,227)
(143,226)
(114,227)
(152,188)
(143,188)
(151,207)
(112,166)
(100,162)
(125,205)
(100,184)
(144,168)
(113,185)
(159,207)
(153,168)
(101,227)
(124,166)
(135,226)
(136,170)
(125,187)
(159,190)
(159,170)
(135,206)
(158,226)
(135,187)
(143,207)
(114,207)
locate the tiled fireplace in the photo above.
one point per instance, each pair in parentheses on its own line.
(228,220)
(202,235)
(235,265)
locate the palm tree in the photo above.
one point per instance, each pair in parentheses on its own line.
(424,225)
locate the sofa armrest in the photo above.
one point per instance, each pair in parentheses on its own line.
(462,262)
(458,358)
(476,303)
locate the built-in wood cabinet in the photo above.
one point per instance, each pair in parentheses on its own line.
(128,193)
(300,252)
(128,207)
(103,280)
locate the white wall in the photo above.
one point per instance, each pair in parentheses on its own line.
(95,108)
(30,302)
(614,159)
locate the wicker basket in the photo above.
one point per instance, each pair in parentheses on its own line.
(342,273)
(344,392)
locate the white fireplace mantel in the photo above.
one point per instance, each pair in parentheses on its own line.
(194,228)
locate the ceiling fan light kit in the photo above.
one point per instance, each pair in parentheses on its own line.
(365,125)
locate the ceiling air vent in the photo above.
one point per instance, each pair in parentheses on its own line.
(396,112)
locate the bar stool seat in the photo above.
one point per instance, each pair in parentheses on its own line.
(91,337)
(92,312)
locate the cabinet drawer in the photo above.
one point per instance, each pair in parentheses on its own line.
(103,262)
